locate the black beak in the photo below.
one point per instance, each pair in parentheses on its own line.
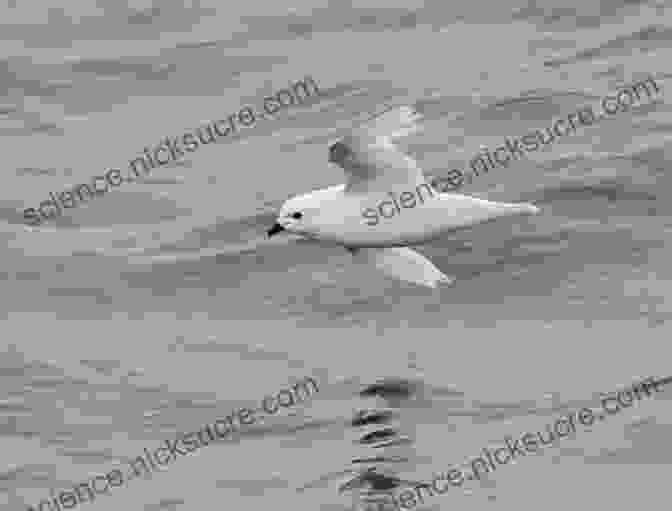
(275,230)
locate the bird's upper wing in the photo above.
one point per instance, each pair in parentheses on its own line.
(376,163)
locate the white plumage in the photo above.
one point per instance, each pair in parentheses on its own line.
(376,171)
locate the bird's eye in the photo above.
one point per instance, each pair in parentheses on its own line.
(338,151)
(297,215)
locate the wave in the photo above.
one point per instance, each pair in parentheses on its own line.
(612,190)
(646,39)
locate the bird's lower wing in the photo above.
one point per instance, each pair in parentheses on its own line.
(404,264)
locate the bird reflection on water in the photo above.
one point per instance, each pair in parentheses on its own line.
(374,488)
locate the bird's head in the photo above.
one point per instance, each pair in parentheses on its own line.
(296,216)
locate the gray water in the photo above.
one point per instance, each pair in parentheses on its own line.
(160,306)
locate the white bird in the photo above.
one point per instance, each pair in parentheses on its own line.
(382,179)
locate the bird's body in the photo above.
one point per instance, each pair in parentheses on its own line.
(386,205)
(340,216)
